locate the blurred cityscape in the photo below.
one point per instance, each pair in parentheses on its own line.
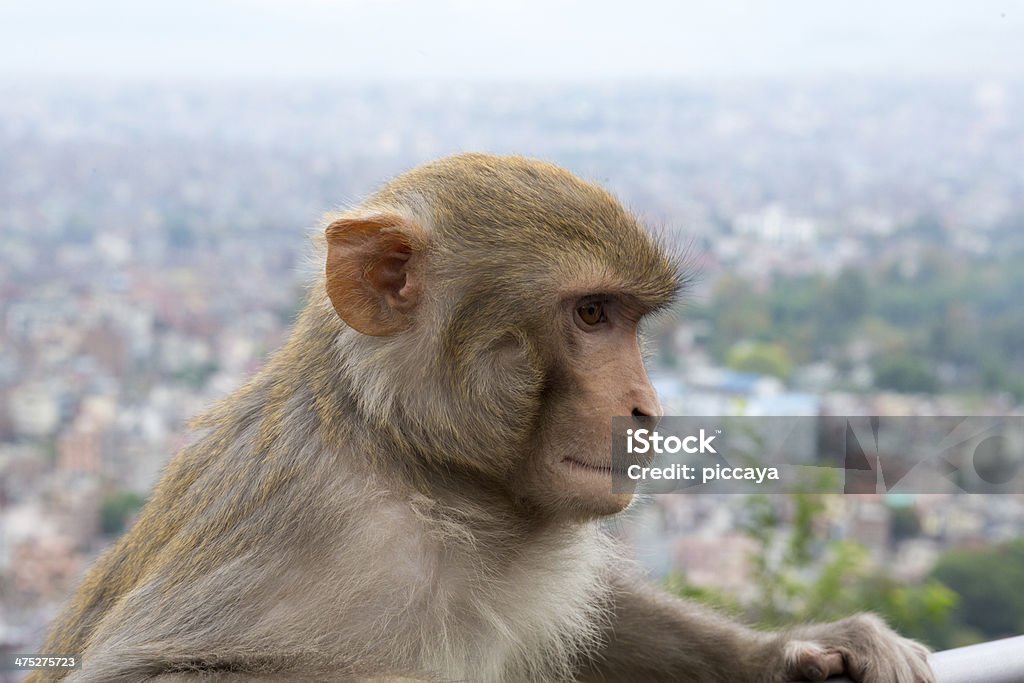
(857,248)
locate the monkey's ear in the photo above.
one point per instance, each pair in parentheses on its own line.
(373,274)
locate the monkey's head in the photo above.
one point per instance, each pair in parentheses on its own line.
(492,307)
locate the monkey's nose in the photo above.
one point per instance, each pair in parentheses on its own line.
(646,404)
(647,418)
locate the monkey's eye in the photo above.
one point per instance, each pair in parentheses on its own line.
(591,313)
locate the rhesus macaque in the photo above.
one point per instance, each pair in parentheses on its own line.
(412,487)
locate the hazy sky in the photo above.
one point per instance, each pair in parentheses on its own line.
(373,40)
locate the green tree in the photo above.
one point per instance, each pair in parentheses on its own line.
(737,312)
(990,583)
(843,582)
(760,358)
(800,575)
(849,295)
(903,523)
(905,373)
(116,509)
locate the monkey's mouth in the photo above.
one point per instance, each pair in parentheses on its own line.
(578,465)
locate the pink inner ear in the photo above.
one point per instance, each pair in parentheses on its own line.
(388,274)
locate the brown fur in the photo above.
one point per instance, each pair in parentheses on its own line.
(398,503)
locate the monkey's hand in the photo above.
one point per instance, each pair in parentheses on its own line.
(861,647)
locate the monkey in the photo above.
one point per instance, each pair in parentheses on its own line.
(412,488)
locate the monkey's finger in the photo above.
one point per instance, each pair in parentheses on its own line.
(815,664)
(834,663)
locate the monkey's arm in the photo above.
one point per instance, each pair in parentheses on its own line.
(654,636)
